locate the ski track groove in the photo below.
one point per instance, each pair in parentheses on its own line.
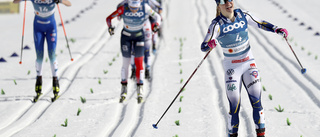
(138,116)
(291,74)
(39,108)
(307,89)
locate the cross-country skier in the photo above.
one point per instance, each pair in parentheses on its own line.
(134,13)
(148,38)
(229,29)
(44,28)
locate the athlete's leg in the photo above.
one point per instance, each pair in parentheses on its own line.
(147,45)
(252,83)
(139,53)
(126,55)
(233,89)
(51,37)
(38,37)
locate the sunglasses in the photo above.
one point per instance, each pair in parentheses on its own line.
(223,1)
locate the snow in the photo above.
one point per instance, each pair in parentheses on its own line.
(204,105)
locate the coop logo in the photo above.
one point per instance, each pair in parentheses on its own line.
(137,14)
(43,1)
(234,26)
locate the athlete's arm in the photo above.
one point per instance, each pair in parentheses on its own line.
(153,14)
(259,23)
(213,33)
(66,2)
(121,3)
(116,13)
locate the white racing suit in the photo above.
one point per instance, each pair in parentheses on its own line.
(239,64)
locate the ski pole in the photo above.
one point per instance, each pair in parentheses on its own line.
(64,30)
(303,70)
(24,20)
(155,125)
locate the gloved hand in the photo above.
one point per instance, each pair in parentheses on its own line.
(282,31)
(57,1)
(155,27)
(111,30)
(212,44)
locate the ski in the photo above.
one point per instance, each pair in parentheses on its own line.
(55,98)
(140,100)
(122,98)
(36,98)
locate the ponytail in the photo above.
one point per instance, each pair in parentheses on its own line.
(218,11)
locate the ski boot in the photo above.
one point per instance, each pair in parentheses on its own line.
(123,92)
(147,74)
(56,89)
(233,135)
(140,92)
(133,73)
(38,88)
(260,132)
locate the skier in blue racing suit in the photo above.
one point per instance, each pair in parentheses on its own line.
(44,28)
(134,13)
(229,29)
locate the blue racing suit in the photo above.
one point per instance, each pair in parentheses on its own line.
(44,28)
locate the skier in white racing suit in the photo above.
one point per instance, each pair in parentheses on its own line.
(229,29)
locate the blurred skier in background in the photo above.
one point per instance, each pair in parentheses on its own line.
(149,38)
(44,28)
(134,14)
(230,30)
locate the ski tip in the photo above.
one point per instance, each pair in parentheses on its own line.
(154,126)
(304,70)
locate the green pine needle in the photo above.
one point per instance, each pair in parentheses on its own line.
(279,109)
(110,63)
(264,88)
(2,92)
(65,123)
(99,81)
(180,71)
(72,40)
(114,59)
(288,122)
(83,100)
(181,80)
(179,110)
(105,71)
(181,98)
(177,122)
(15,82)
(316,57)
(91,90)
(270,96)
(78,113)
(29,72)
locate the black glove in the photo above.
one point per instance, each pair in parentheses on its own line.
(155,27)
(111,30)
(57,1)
